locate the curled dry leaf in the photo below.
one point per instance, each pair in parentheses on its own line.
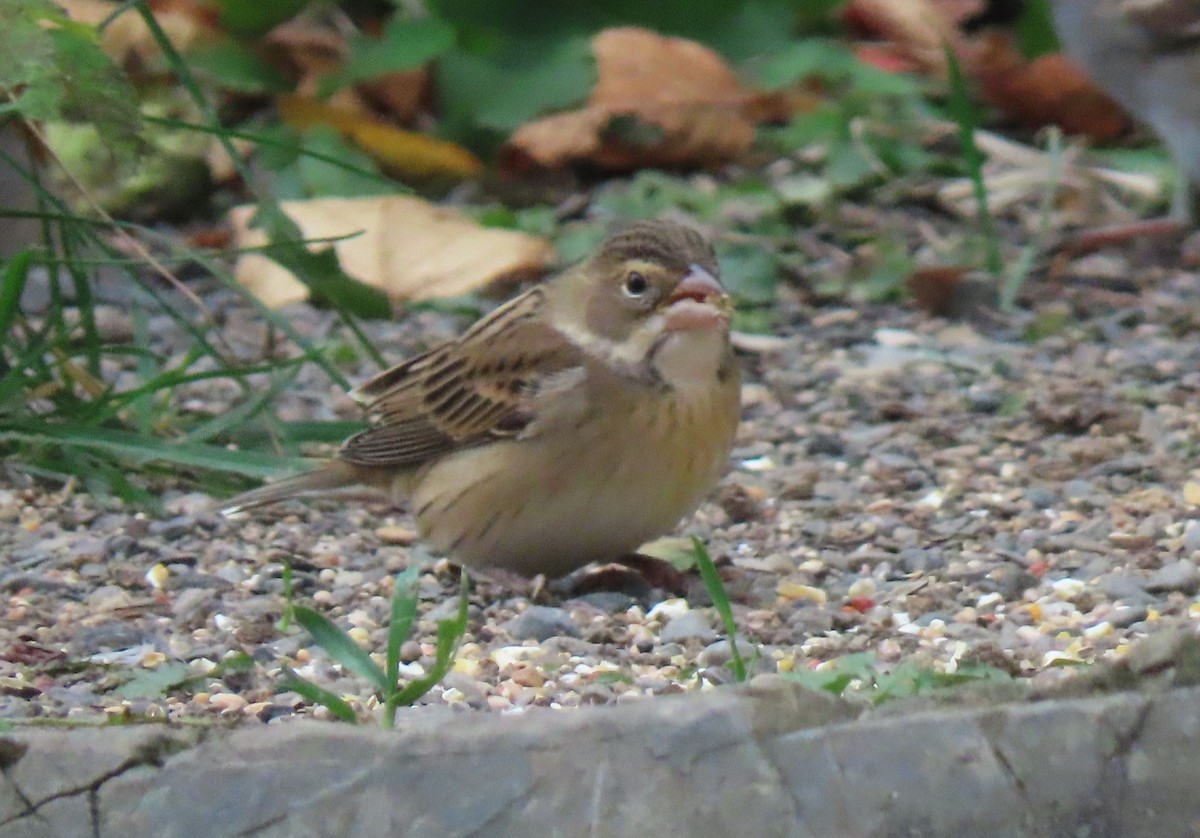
(1051,90)
(658,101)
(409,248)
(920,29)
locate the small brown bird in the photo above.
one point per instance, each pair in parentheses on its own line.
(1146,54)
(570,425)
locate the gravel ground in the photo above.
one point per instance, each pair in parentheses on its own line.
(909,486)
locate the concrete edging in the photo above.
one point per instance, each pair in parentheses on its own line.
(771,759)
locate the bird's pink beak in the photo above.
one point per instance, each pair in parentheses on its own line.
(698,302)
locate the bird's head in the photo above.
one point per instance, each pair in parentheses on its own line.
(652,293)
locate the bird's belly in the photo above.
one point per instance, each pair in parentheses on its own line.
(552,504)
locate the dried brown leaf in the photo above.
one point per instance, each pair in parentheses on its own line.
(658,101)
(409,248)
(1050,90)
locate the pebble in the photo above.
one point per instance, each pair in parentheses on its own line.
(796,591)
(721,652)
(692,625)
(828,445)
(610,602)
(668,609)
(541,622)
(1182,575)
(173,528)
(1034,528)
(392,534)
(1124,586)
(1124,615)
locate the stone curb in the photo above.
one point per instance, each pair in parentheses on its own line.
(771,759)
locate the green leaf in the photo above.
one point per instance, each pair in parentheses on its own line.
(151,683)
(235,66)
(251,19)
(501,92)
(1035,30)
(318,695)
(404,611)
(60,72)
(403,45)
(805,59)
(338,645)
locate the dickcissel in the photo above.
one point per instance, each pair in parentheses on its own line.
(570,425)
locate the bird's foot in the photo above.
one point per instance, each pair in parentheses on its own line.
(633,574)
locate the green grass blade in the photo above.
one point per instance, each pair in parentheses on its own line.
(716,590)
(449,635)
(966,116)
(12,285)
(1024,264)
(338,645)
(142,450)
(289,603)
(404,611)
(243,412)
(318,695)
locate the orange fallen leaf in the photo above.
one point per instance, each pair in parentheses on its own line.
(399,152)
(1050,90)
(658,101)
(409,248)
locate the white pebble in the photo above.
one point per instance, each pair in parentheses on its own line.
(933,500)
(506,656)
(758,464)
(668,609)
(1068,588)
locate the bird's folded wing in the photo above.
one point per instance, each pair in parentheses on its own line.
(484,385)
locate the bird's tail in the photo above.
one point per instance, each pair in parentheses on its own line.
(331,476)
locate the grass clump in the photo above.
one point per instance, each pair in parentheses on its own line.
(859,676)
(342,648)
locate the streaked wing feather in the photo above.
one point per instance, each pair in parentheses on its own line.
(405,443)
(481,386)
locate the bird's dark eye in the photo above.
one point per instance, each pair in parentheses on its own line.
(636,285)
